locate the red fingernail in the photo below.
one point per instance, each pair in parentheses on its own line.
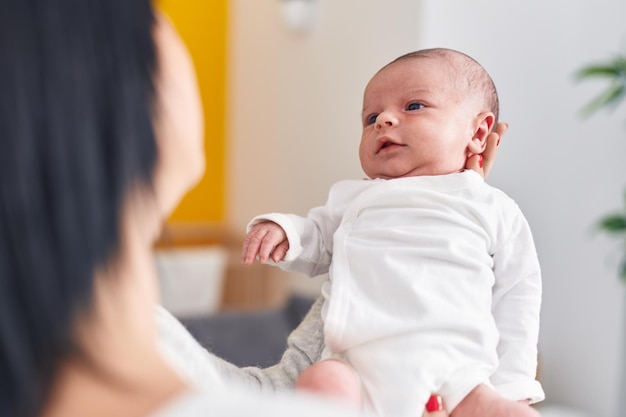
(480,161)
(435,403)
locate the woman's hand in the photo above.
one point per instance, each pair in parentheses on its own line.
(482,163)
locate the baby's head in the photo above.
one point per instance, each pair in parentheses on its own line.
(425,113)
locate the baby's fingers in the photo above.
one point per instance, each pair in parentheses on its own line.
(268,243)
(251,246)
(261,241)
(253,242)
(280,251)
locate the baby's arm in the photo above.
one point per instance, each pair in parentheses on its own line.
(265,239)
(516,307)
(296,243)
(293,243)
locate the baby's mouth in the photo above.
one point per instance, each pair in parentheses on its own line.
(388,144)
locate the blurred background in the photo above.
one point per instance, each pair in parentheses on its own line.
(282,87)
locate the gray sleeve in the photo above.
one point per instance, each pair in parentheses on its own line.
(304,347)
(202,368)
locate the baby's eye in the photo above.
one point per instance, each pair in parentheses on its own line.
(371,119)
(415,106)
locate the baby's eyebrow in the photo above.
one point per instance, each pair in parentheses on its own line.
(419,91)
(408,92)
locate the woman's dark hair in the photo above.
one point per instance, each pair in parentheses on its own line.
(76,133)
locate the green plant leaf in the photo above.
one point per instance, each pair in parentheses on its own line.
(611,97)
(615,71)
(614,224)
(597,71)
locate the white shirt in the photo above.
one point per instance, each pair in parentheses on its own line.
(434,286)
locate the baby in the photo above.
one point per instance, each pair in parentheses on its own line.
(435,285)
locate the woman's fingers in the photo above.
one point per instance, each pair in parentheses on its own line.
(491,150)
(475,163)
(482,163)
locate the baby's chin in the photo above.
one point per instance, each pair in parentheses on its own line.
(419,172)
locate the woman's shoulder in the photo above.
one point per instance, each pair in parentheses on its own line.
(235,402)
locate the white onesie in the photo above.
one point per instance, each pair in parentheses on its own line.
(434,287)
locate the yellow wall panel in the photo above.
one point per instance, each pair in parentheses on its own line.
(203,25)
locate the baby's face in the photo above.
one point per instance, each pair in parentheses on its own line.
(415,121)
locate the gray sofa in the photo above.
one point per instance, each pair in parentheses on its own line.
(256,338)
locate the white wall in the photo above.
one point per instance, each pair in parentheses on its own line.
(564,172)
(296,97)
(294,130)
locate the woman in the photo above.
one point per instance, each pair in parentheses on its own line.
(84,187)
(100,137)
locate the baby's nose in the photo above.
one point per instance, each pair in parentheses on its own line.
(387,119)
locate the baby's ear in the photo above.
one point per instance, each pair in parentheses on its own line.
(482,127)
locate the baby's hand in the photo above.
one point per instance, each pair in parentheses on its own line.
(265,239)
